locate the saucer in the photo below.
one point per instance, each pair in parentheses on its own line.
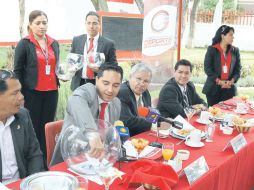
(203,122)
(191,144)
(240,112)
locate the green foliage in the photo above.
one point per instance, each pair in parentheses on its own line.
(211,4)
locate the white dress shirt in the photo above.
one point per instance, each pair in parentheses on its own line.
(10,171)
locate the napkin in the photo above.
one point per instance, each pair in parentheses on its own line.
(186,124)
(151,172)
(132,152)
(3,187)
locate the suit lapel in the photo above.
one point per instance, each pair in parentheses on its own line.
(100,45)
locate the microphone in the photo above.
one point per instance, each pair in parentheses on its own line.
(152,115)
(122,130)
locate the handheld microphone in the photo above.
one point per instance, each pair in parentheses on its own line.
(122,130)
(152,115)
(124,135)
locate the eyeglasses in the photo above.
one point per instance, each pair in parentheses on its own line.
(6,74)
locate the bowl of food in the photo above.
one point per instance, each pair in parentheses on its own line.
(139,143)
(242,125)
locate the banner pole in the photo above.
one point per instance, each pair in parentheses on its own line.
(179,31)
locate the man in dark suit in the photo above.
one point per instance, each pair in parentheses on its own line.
(20,153)
(133,94)
(179,92)
(87,45)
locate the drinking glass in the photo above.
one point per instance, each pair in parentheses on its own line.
(209,129)
(36,186)
(189,111)
(167,151)
(82,183)
(107,175)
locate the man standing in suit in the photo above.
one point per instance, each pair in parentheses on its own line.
(133,94)
(179,92)
(89,102)
(20,153)
(87,45)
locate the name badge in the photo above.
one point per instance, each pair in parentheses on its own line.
(225,69)
(195,170)
(237,143)
(47,71)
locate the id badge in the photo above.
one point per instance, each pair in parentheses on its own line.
(225,69)
(47,69)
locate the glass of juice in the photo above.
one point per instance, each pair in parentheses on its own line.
(167,151)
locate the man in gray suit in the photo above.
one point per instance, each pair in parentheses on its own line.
(86,104)
(87,45)
(20,153)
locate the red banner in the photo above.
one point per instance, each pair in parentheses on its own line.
(122,1)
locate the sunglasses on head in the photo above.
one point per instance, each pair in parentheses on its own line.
(6,74)
(223,29)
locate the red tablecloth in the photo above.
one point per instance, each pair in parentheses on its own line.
(227,171)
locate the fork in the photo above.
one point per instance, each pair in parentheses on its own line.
(180,141)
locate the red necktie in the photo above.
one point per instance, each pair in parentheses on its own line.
(102,112)
(89,71)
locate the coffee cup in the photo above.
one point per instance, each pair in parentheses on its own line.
(241,107)
(194,137)
(204,116)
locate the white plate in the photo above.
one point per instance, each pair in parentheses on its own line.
(203,122)
(175,131)
(242,112)
(189,143)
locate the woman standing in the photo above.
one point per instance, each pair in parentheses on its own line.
(222,67)
(35,62)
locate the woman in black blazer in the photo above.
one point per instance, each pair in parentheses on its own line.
(222,67)
(35,63)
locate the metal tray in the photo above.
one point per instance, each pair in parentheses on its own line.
(50,180)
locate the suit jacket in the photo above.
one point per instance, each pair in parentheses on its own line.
(82,109)
(171,101)
(26,146)
(26,62)
(129,114)
(105,46)
(212,66)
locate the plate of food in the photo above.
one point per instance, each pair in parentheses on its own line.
(183,133)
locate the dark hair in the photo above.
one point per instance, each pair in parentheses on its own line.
(110,67)
(4,75)
(184,62)
(34,14)
(224,29)
(92,13)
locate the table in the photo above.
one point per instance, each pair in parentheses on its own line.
(227,171)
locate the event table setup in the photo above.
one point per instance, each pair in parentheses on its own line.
(225,161)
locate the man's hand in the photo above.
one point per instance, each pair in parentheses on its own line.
(94,67)
(198,108)
(96,146)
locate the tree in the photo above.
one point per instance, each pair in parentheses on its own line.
(140,5)
(100,5)
(21,17)
(192,23)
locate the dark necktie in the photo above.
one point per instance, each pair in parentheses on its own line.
(89,71)
(139,104)
(185,99)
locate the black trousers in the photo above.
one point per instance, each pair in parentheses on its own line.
(221,95)
(42,107)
